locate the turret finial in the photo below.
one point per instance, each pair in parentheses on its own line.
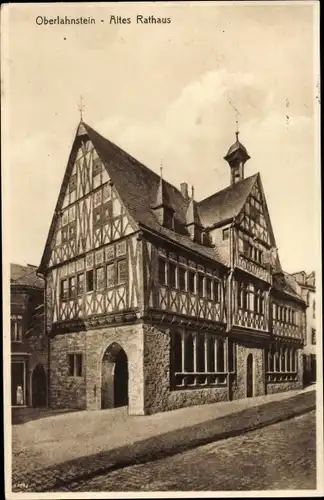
(81,108)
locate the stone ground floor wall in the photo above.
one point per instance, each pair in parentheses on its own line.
(84,392)
(273,387)
(158,395)
(149,383)
(239,387)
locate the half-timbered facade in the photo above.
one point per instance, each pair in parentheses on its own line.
(158,301)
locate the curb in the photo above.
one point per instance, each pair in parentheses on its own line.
(171,443)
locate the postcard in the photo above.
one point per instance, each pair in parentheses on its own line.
(162,249)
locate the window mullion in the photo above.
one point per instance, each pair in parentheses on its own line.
(182,352)
(216,354)
(206,352)
(195,352)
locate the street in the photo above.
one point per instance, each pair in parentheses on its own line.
(281,456)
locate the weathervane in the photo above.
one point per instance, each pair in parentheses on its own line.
(81,108)
(237,114)
(161,169)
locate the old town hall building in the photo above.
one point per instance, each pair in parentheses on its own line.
(156,300)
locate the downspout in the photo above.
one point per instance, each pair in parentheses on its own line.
(229,308)
(48,399)
(230,279)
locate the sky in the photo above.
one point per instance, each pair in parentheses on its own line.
(163,92)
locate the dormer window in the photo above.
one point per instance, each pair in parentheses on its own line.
(169,219)
(226,233)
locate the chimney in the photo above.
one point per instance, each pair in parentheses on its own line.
(184,189)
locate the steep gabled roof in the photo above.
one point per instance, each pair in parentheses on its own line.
(25,276)
(288,284)
(137,186)
(225,204)
(304,279)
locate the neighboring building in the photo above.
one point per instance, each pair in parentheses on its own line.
(158,301)
(29,347)
(308,292)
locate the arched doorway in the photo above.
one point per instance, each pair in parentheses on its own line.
(114,377)
(249,376)
(39,387)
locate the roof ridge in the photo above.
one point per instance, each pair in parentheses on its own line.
(228,188)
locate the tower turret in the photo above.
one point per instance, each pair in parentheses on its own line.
(236,157)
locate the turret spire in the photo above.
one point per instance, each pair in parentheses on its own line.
(81,108)
(236,157)
(192,219)
(162,206)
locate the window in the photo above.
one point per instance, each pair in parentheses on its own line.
(313,336)
(110,275)
(246,248)
(107,211)
(209,288)
(72,183)
(200,353)
(293,317)
(202,363)
(220,355)
(200,283)
(96,167)
(314,305)
(121,271)
(261,257)
(72,287)
(97,217)
(71,231)
(277,361)
(64,289)
(65,234)
(225,234)
(97,199)
(211,354)
(182,278)
(110,252)
(16,328)
(121,249)
(254,213)
(172,275)
(89,280)
(191,281)
(100,278)
(189,354)
(177,352)
(231,356)
(80,284)
(106,194)
(162,277)
(243,296)
(282,364)
(75,365)
(217,291)
(258,302)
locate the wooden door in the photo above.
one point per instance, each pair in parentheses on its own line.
(249,376)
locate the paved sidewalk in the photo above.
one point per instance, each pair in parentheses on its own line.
(127,440)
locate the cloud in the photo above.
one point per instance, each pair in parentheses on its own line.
(196,130)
